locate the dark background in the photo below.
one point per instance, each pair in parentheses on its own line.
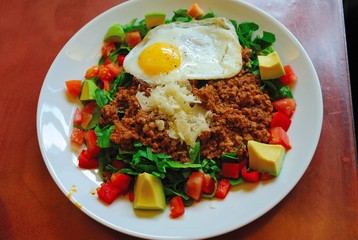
(351,20)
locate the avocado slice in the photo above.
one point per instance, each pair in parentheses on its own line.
(115,33)
(148,193)
(88,90)
(270,66)
(154,19)
(266,158)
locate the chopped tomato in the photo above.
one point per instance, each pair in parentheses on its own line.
(107,48)
(230,170)
(105,74)
(74,87)
(77,136)
(279,136)
(195,11)
(114,68)
(92,72)
(77,117)
(208,184)
(280,119)
(121,181)
(86,119)
(108,192)
(266,176)
(223,188)
(250,176)
(176,207)
(133,38)
(86,160)
(90,107)
(194,185)
(91,142)
(120,59)
(118,164)
(290,77)
(286,106)
(131,196)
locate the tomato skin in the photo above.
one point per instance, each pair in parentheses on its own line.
(250,176)
(208,184)
(177,208)
(118,164)
(290,77)
(133,38)
(90,107)
(104,73)
(74,87)
(86,119)
(280,119)
(120,59)
(279,136)
(223,188)
(108,192)
(230,170)
(77,136)
(114,68)
(91,142)
(286,106)
(194,185)
(121,181)
(86,160)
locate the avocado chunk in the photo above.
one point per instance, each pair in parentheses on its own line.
(88,90)
(115,33)
(270,66)
(154,19)
(148,193)
(266,158)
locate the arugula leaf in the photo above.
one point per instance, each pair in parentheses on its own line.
(103,136)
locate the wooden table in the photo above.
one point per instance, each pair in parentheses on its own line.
(323,205)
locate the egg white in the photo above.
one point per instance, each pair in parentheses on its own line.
(209,49)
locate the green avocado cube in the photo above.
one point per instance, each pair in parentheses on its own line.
(88,90)
(154,19)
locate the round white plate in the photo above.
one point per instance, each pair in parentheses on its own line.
(207,218)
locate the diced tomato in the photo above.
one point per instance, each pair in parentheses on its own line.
(120,59)
(176,207)
(250,176)
(108,192)
(223,188)
(133,38)
(230,170)
(114,68)
(208,185)
(91,142)
(77,136)
(194,185)
(280,119)
(74,87)
(86,160)
(131,196)
(118,164)
(107,48)
(105,74)
(77,117)
(285,105)
(121,181)
(86,119)
(290,77)
(279,136)
(195,11)
(90,107)
(92,72)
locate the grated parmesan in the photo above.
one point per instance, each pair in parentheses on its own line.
(185,118)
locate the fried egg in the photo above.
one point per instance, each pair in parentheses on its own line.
(175,52)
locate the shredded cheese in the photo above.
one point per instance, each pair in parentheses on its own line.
(185,118)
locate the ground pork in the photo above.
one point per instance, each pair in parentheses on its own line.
(241,112)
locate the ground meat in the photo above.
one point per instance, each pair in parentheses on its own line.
(241,112)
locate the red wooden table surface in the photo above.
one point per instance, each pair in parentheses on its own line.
(323,205)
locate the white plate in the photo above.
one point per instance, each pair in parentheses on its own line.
(207,218)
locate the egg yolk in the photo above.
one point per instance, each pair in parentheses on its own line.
(159,58)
